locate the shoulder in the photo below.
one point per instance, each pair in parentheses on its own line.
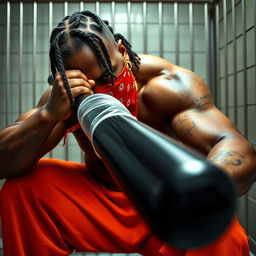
(171,88)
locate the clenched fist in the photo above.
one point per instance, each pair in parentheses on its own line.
(59,106)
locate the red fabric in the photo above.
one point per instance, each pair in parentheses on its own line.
(71,129)
(124,89)
(59,207)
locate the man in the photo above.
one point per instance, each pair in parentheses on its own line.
(51,207)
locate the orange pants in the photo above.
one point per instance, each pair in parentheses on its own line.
(59,207)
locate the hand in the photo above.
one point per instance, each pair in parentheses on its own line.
(58,105)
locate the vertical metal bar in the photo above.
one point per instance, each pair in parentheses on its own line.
(207,41)
(67,140)
(7,88)
(245,67)
(255,41)
(145,34)
(160,17)
(97,7)
(50,21)
(191,37)
(81,151)
(34,53)
(129,20)
(245,93)
(113,14)
(217,90)
(176,32)
(20,58)
(81,6)
(65,8)
(50,24)
(225,56)
(234,59)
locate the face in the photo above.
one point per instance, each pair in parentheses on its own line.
(87,61)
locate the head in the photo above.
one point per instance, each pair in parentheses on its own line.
(86,42)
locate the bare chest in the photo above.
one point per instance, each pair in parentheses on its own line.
(152,116)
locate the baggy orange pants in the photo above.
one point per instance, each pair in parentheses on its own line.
(59,207)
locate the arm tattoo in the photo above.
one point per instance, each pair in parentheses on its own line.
(229,157)
(201,101)
(187,131)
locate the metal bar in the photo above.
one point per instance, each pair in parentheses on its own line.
(81,6)
(207,41)
(113,14)
(244,66)
(145,34)
(225,57)
(191,37)
(234,60)
(65,8)
(67,140)
(50,24)
(34,54)
(97,7)
(160,17)
(139,1)
(50,21)
(255,40)
(245,93)
(81,151)
(217,90)
(7,87)
(212,51)
(176,32)
(129,21)
(20,59)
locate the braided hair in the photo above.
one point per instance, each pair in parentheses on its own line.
(69,28)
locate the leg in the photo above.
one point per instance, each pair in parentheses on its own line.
(59,207)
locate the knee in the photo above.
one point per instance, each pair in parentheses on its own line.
(34,180)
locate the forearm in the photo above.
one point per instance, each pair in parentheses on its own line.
(22,143)
(238,158)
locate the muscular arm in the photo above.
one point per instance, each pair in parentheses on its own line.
(203,127)
(38,131)
(29,138)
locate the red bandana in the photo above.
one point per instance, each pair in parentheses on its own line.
(124,89)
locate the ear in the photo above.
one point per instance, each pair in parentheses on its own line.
(121,49)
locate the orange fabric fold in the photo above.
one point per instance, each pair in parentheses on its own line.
(59,207)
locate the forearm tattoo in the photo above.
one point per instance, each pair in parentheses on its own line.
(230,157)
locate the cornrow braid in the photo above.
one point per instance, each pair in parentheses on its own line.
(133,55)
(70,25)
(57,55)
(95,17)
(88,36)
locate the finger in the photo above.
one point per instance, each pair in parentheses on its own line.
(76,74)
(92,82)
(79,82)
(76,91)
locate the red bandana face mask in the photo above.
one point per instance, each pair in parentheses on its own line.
(124,89)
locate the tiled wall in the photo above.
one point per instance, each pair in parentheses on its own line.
(237,83)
